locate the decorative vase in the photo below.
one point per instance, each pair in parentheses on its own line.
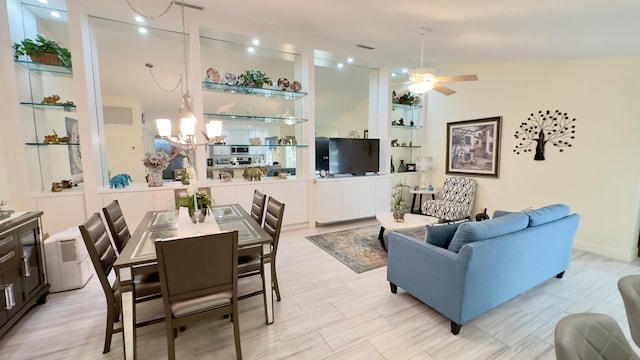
(402,167)
(398,212)
(154,177)
(200,216)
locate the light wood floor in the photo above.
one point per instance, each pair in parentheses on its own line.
(329,312)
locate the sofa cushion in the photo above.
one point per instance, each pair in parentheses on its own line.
(441,234)
(499,213)
(480,230)
(547,214)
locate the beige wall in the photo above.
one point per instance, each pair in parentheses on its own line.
(599,177)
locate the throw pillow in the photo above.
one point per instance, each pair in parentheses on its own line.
(441,234)
(499,213)
(481,230)
(547,214)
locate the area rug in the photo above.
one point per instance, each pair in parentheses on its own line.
(357,248)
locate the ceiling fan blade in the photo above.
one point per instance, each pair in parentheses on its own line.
(457,78)
(443,89)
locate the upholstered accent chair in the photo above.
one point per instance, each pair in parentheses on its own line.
(250,262)
(257,206)
(591,336)
(117,225)
(199,278)
(629,287)
(103,256)
(456,203)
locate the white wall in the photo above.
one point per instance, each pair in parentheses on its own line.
(599,177)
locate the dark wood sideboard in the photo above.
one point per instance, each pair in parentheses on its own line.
(23,279)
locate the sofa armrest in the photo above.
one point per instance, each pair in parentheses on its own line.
(432,274)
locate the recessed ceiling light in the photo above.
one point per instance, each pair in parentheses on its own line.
(393,74)
(340,65)
(142,30)
(43,1)
(139,19)
(405,70)
(55,14)
(256,42)
(250,49)
(350,60)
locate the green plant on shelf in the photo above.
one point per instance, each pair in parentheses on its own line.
(40,46)
(254,78)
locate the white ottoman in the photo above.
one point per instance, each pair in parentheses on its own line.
(411,221)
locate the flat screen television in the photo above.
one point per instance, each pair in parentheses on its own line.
(354,156)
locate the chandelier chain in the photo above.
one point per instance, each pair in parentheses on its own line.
(179,83)
(151,17)
(184,49)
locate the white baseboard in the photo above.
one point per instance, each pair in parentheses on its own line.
(606,251)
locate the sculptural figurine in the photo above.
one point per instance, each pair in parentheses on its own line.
(254,173)
(226,108)
(51,139)
(482,216)
(120,181)
(56,187)
(53,99)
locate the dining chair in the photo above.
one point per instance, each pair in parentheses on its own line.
(257,206)
(591,336)
(117,224)
(251,264)
(629,287)
(103,256)
(199,280)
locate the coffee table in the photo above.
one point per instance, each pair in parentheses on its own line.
(385,218)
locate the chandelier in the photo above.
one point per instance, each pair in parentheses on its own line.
(186,116)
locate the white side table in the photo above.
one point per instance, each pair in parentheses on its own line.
(385,218)
(420,192)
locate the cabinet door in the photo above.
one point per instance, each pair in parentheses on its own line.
(358,198)
(11,295)
(31,266)
(294,196)
(329,201)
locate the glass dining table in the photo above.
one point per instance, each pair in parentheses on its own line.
(139,255)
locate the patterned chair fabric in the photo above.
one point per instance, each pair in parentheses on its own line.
(457,200)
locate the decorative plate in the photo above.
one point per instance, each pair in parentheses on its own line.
(230,79)
(212,75)
(283,83)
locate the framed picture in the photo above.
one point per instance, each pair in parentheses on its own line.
(473,147)
(411,167)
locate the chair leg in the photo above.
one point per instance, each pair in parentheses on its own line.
(109,330)
(171,342)
(455,328)
(236,332)
(275,279)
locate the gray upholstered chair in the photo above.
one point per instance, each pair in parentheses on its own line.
(591,336)
(257,206)
(117,224)
(456,203)
(629,287)
(250,261)
(199,278)
(103,257)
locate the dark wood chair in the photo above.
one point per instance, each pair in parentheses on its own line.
(250,264)
(103,256)
(257,206)
(199,279)
(117,224)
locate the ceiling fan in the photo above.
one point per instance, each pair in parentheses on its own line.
(424,79)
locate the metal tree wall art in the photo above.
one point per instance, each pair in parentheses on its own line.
(544,127)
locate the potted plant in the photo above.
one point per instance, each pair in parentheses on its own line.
(155,163)
(254,78)
(398,203)
(204,201)
(43,50)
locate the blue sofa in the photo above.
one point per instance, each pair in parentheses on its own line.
(464,270)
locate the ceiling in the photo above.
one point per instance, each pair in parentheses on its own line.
(460,30)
